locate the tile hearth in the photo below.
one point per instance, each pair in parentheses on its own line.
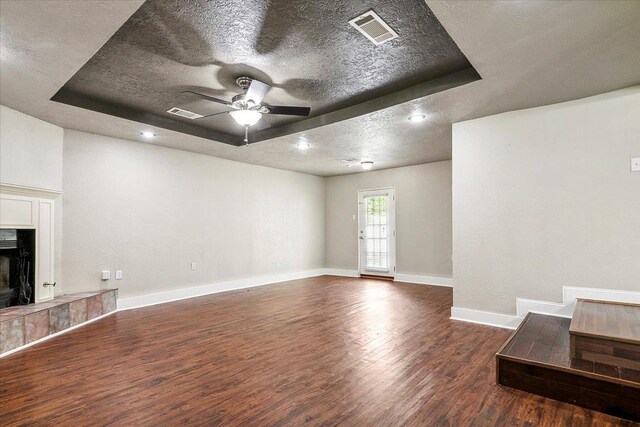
(24,324)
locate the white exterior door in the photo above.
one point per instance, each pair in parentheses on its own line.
(377,232)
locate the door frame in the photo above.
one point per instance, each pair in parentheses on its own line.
(391,191)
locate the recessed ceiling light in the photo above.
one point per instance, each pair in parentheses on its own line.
(417,118)
(148,134)
(303,144)
(366,165)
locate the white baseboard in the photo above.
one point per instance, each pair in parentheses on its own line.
(64,331)
(524,306)
(571,293)
(563,309)
(569,296)
(485,318)
(213,288)
(341,272)
(424,280)
(404,278)
(178,294)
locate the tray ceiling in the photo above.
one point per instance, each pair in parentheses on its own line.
(306,51)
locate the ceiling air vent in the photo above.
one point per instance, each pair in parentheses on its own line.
(184,113)
(373,28)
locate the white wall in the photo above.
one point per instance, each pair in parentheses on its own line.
(423,217)
(151,211)
(31,156)
(543,198)
(30,151)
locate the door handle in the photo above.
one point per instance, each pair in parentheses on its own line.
(361,238)
(45,284)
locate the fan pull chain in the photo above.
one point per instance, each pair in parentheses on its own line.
(246,135)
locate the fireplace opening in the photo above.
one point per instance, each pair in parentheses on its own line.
(17,267)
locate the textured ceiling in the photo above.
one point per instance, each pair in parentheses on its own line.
(529,53)
(306,51)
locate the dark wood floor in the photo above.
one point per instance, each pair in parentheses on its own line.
(545,340)
(320,351)
(537,359)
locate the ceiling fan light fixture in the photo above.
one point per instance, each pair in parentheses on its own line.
(366,165)
(417,118)
(246,117)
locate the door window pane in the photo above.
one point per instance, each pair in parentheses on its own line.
(376,243)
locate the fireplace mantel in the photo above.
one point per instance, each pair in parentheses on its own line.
(25,190)
(23,207)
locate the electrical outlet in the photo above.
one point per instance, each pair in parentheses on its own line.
(106,275)
(119,274)
(194,265)
(635,164)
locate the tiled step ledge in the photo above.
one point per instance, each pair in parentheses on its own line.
(24,324)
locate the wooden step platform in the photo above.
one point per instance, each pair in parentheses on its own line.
(537,359)
(606,332)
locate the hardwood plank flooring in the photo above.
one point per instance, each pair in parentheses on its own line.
(319,351)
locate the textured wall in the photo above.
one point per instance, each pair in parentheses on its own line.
(151,211)
(30,150)
(31,155)
(423,217)
(544,198)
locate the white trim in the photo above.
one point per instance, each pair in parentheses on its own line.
(341,272)
(33,209)
(424,280)
(382,191)
(571,293)
(524,306)
(22,347)
(485,318)
(212,288)
(25,190)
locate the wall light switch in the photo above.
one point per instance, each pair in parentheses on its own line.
(119,274)
(106,275)
(635,164)
(194,265)
(353,217)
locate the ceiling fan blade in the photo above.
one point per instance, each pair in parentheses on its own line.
(211,115)
(257,90)
(208,98)
(262,124)
(288,111)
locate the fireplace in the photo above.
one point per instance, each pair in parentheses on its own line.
(17,266)
(27,249)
